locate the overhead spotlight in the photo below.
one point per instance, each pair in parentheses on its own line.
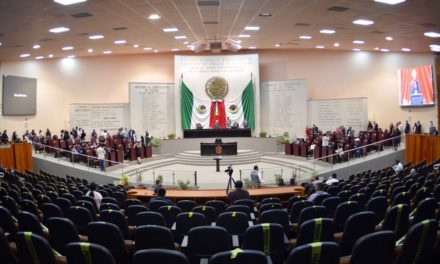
(232,45)
(199,46)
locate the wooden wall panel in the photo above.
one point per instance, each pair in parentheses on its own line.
(422,147)
(23,156)
(7,156)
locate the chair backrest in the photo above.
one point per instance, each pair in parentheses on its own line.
(401,198)
(397,219)
(315,230)
(32,248)
(186,205)
(315,253)
(129,202)
(197,246)
(318,199)
(170,213)
(239,208)
(239,256)
(159,256)
(85,253)
(156,204)
(293,200)
(236,223)
(108,206)
(312,212)
(89,206)
(268,238)
(9,203)
(132,210)
(6,256)
(269,206)
(425,210)
(219,206)
(89,199)
(109,236)
(331,203)
(29,222)
(62,231)
(109,200)
(80,216)
(150,218)
(357,225)
(271,200)
(419,242)
(187,220)
(153,236)
(117,218)
(276,216)
(29,206)
(247,202)
(361,198)
(297,208)
(378,205)
(343,211)
(7,223)
(345,195)
(51,210)
(63,203)
(208,211)
(377,247)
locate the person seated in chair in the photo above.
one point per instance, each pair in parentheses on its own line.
(238,193)
(199,126)
(235,125)
(161,196)
(319,191)
(216,125)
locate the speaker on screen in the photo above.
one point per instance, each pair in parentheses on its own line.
(416,86)
(19,96)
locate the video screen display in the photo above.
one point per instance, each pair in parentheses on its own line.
(19,96)
(416,86)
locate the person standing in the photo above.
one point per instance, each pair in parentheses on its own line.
(228,122)
(245,123)
(255,177)
(100,152)
(137,150)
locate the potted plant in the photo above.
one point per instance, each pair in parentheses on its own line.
(247,183)
(124,180)
(263,134)
(279,181)
(171,135)
(184,185)
(293,177)
(284,140)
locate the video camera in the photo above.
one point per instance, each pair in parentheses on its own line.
(229,170)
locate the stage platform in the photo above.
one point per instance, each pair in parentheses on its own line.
(201,196)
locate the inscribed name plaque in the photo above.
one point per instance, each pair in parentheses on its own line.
(150,108)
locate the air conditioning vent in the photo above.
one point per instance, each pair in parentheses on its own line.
(208,2)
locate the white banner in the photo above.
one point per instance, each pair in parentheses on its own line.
(110,117)
(150,105)
(237,70)
(284,107)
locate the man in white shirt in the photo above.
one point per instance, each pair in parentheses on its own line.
(100,152)
(325,140)
(332,180)
(398,167)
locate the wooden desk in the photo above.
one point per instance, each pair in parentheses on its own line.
(209,149)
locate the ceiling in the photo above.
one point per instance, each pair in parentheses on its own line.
(25,23)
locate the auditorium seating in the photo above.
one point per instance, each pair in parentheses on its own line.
(369,212)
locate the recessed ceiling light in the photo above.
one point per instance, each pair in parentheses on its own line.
(0,44)
(320,47)
(278,45)
(432,34)
(305,37)
(435,46)
(156,51)
(265,14)
(406,49)
(107,52)
(336,44)
(120,41)
(170,29)
(358,42)
(185,43)
(390,2)
(58,30)
(50,55)
(36,46)
(244,36)
(180,37)
(376,48)
(90,50)
(25,55)
(253,28)
(384,50)
(96,37)
(39,57)
(68,2)
(136,46)
(71,56)
(147,48)
(327,31)
(153,17)
(252,47)
(389,38)
(68,48)
(356,49)
(190,46)
(238,41)
(435,49)
(175,50)
(363,22)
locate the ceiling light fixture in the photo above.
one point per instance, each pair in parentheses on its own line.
(305,37)
(320,47)
(389,38)
(265,14)
(356,49)
(36,46)
(69,2)
(25,55)
(90,50)
(148,48)
(363,22)
(376,48)
(94,37)
(39,57)
(327,31)
(336,44)
(360,42)
(58,30)
(406,49)
(175,50)
(180,37)
(136,46)
(253,28)
(232,45)
(68,48)
(278,45)
(252,47)
(170,29)
(107,52)
(120,41)
(432,34)
(154,17)
(71,56)
(390,2)
(50,55)
(244,36)
(384,50)
(156,51)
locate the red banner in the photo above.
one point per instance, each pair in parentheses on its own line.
(218,113)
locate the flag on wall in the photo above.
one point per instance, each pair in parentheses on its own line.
(196,110)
